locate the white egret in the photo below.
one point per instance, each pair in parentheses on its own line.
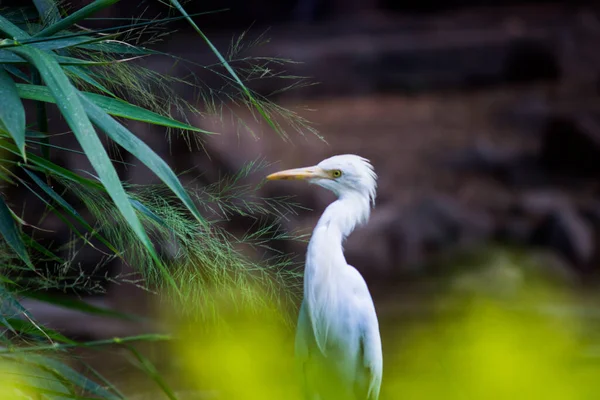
(337,339)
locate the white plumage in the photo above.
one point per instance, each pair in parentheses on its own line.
(338,344)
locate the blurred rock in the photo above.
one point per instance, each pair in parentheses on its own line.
(540,203)
(568,233)
(511,167)
(571,146)
(401,240)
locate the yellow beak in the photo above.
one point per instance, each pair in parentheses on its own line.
(300,174)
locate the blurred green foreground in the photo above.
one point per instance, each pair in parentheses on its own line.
(499,331)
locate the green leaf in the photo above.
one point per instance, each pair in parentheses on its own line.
(17,72)
(6,308)
(78,305)
(119,48)
(27,327)
(150,370)
(46,166)
(63,60)
(11,30)
(49,191)
(67,100)
(12,235)
(58,42)
(72,376)
(149,337)
(12,113)
(8,57)
(116,107)
(149,213)
(82,74)
(37,379)
(61,373)
(124,138)
(77,16)
(35,245)
(48,11)
(69,210)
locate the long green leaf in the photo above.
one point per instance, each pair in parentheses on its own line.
(58,42)
(79,305)
(116,107)
(82,74)
(7,301)
(27,327)
(48,11)
(150,370)
(68,223)
(67,100)
(140,150)
(45,166)
(49,191)
(77,16)
(16,72)
(6,57)
(12,113)
(12,235)
(149,337)
(63,374)
(37,379)
(118,48)
(230,70)
(11,30)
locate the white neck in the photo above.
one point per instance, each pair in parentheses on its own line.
(325,251)
(345,214)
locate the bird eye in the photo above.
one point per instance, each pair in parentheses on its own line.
(336,173)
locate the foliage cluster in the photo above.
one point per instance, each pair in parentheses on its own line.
(96,81)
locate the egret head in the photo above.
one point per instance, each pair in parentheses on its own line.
(344,175)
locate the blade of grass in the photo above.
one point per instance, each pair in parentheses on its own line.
(29,241)
(27,327)
(16,72)
(150,370)
(41,117)
(42,165)
(64,374)
(8,57)
(82,74)
(12,235)
(79,305)
(77,16)
(48,11)
(70,210)
(149,337)
(12,112)
(116,107)
(11,30)
(105,381)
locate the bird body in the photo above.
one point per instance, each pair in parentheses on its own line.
(338,344)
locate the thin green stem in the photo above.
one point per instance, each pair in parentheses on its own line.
(151,337)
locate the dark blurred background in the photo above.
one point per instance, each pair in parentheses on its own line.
(482,119)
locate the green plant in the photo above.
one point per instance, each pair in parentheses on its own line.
(48,58)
